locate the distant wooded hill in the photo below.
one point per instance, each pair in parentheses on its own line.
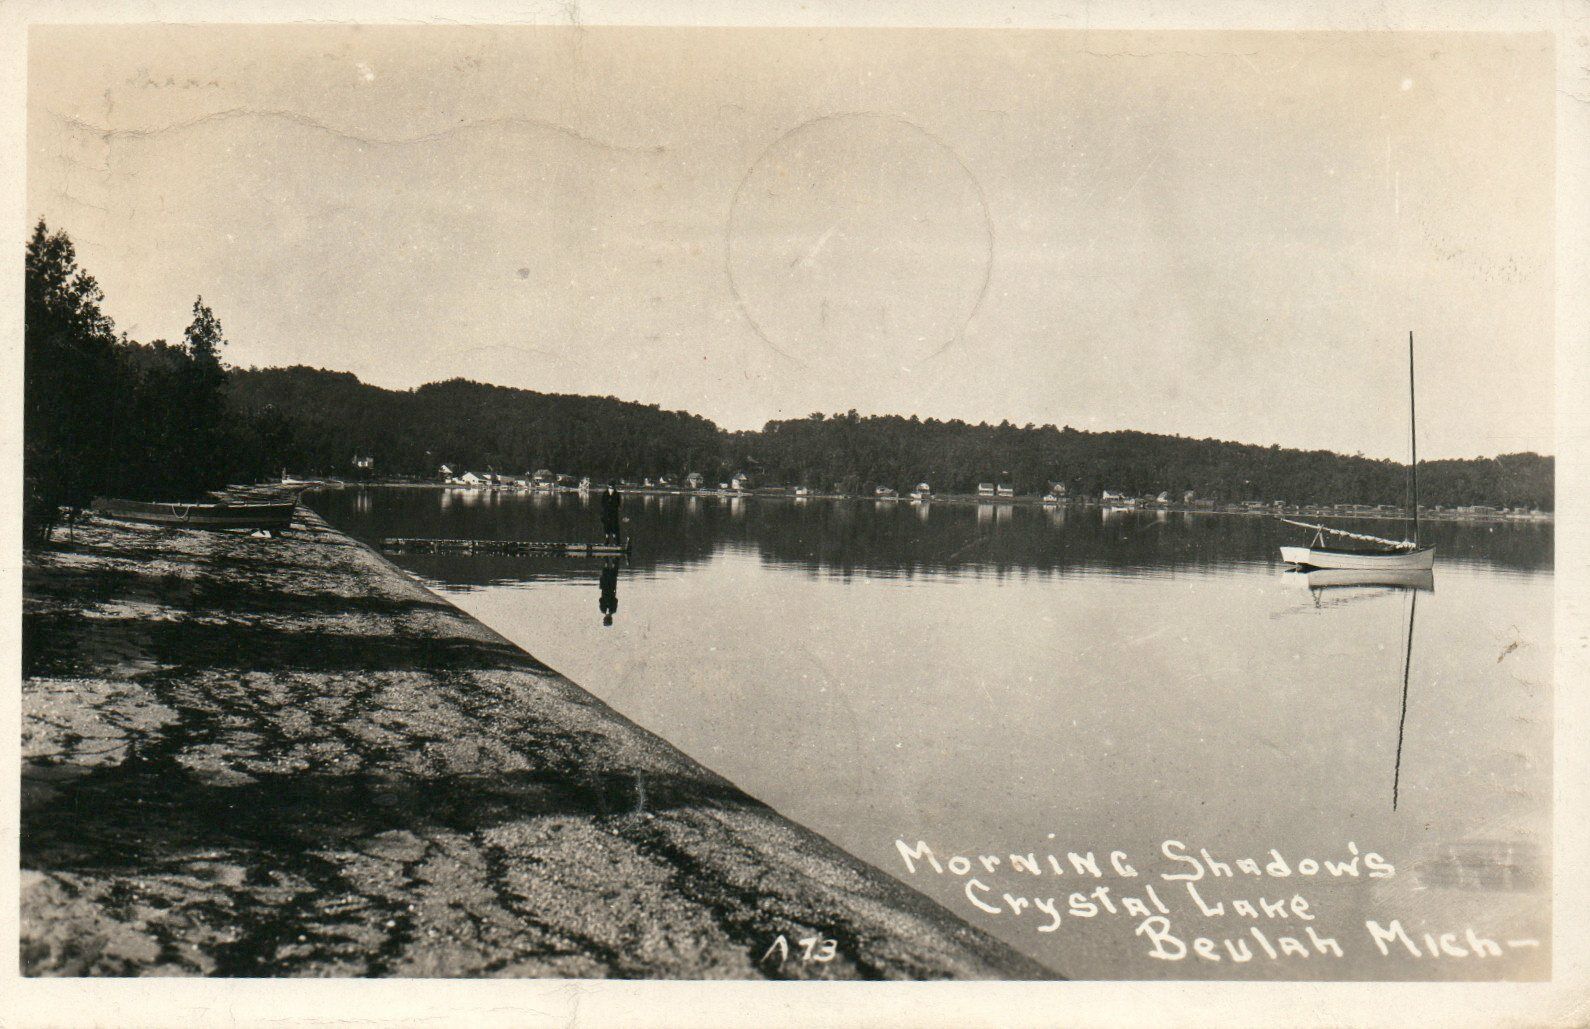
(318,421)
(104,414)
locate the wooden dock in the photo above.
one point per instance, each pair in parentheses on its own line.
(527,547)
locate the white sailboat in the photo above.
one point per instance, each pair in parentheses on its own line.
(1386,554)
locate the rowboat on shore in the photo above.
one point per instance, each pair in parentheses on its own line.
(271,515)
(1387,554)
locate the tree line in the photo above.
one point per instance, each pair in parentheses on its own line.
(106,414)
(328,418)
(953,456)
(469,425)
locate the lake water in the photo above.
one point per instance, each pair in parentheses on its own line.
(991,680)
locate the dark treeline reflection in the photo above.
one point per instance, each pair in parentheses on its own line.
(864,537)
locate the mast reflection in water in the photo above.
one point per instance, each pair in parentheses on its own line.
(1368,583)
(1018,678)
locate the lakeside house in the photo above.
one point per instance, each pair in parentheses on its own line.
(740,483)
(1109,498)
(885,493)
(802,491)
(985,489)
(470,479)
(446,472)
(694,480)
(922,492)
(1004,492)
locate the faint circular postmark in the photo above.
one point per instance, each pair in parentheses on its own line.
(860,237)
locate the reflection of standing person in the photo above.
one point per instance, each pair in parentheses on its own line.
(611,503)
(609,584)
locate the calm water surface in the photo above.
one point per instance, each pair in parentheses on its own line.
(989,680)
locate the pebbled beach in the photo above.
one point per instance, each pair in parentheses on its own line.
(282,757)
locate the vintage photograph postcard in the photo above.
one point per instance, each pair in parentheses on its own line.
(747,501)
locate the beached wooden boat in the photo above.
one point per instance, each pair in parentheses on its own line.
(272,515)
(1386,554)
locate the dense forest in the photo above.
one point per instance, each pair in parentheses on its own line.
(953,456)
(329,417)
(469,425)
(105,414)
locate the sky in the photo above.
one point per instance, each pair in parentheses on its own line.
(1199,233)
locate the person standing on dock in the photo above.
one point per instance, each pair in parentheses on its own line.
(611,522)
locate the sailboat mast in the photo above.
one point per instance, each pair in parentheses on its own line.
(1413,440)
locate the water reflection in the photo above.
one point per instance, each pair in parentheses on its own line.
(1402,718)
(1320,580)
(989,678)
(842,539)
(1364,584)
(608,582)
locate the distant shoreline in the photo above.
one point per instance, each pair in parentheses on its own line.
(962,499)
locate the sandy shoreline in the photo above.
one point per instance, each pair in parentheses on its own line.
(259,757)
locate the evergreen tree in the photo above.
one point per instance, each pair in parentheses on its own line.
(73,411)
(204,445)
(104,414)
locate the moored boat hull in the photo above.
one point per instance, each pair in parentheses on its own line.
(1366,560)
